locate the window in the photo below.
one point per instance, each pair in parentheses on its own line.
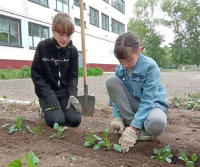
(76,2)
(61,5)
(94,17)
(78,22)
(10,31)
(105,22)
(36,34)
(106,1)
(40,2)
(117,27)
(119,5)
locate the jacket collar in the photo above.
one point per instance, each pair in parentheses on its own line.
(138,65)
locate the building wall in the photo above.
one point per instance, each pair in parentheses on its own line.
(99,42)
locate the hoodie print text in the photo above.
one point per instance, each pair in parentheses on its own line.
(56,61)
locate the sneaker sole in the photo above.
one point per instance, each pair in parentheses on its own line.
(145,138)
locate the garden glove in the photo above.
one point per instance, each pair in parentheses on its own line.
(128,139)
(118,125)
(52,101)
(75,103)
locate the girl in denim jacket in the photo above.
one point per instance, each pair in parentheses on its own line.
(137,94)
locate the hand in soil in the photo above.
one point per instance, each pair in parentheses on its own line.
(128,139)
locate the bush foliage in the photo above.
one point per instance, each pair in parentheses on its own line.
(25,72)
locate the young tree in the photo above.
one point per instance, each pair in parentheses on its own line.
(184,19)
(143,24)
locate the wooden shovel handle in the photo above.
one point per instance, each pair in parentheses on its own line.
(83,42)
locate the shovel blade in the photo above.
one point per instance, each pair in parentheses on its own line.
(88,104)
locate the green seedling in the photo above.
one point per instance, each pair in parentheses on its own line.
(60,131)
(184,158)
(106,143)
(31,160)
(190,101)
(37,130)
(33,102)
(73,157)
(164,154)
(91,140)
(4,97)
(15,163)
(18,126)
(176,102)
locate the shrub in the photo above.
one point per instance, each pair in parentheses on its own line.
(90,72)
(25,72)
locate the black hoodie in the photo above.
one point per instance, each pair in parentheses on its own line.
(55,70)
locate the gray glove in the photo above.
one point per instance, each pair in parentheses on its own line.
(75,103)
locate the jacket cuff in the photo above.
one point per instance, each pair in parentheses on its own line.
(137,124)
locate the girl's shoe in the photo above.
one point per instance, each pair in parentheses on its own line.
(143,135)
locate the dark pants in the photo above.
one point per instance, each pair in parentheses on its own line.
(60,116)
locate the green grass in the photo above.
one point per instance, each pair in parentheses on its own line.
(25,72)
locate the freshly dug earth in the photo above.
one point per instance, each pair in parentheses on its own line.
(182,132)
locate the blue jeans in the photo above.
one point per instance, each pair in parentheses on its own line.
(128,105)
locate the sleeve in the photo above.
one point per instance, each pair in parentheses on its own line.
(73,74)
(116,113)
(37,73)
(150,94)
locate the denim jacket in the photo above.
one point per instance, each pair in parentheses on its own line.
(143,83)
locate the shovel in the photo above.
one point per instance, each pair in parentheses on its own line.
(87,102)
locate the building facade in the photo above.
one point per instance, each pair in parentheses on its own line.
(24,23)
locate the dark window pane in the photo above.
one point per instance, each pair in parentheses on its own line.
(36,30)
(4,37)
(44,33)
(14,38)
(4,24)
(36,34)
(43,2)
(119,5)
(94,17)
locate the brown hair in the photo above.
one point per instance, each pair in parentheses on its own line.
(124,42)
(63,23)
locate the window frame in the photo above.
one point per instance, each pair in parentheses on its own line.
(47,6)
(62,7)
(80,22)
(84,5)
(117,22)
(102,14)
(20,34)
(90,16)
(117,8)
(41,26)
(106,1)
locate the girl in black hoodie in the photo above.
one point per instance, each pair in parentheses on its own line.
(54,73)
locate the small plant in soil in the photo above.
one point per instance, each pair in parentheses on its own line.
(164,154)
(91,140)
(31,160)
(18,126)
(33,102)
(4,97)
(37,130)
(59,130)
(190,101)
(106,143)
(184,158)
